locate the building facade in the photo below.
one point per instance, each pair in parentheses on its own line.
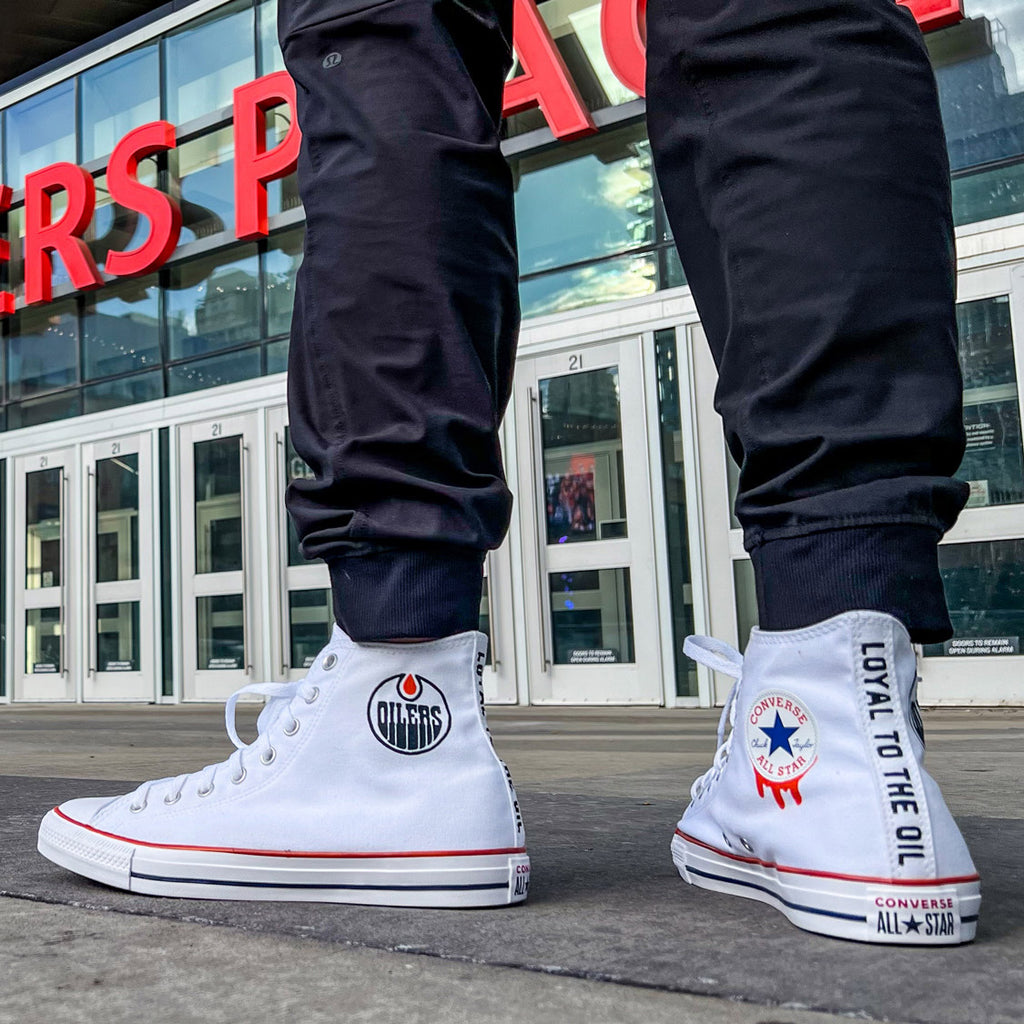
(145,554)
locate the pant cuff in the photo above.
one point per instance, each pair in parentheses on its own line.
(397,594)
(892,569)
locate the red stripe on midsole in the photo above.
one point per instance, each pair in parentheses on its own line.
(828,874)
(289,853)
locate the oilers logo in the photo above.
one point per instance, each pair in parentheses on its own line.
(408,714)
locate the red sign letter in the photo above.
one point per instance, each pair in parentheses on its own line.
(933,14)
(6,298)
(624,35)
(545,80)
(43,237)
(162,212)
(255,165)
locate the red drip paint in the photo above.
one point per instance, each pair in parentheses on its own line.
(778,788)
(409,686)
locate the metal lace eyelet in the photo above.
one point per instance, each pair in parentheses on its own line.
(330,661)
(205,792)
(313,696)
(135,808)
(172,798)
(746,846)
(268,756)
(239,778)
(294,728)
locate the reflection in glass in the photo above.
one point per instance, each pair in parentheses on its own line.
(270,51)
(42,640)
(220,629)
(118,95)
(115,227)
(113,394)
(746,599)
(627,277)
(592,617)
(310,619)
(202,173)
(40,131)
(295,469)
(277,356)
(280,264)
(218,497)
(43,349)
(212,303)
(117,637)
(117,518)
(282,193)
(44,410)
(206,61)
(671,430)
(43,533)
(485,620)
(581,436)
(121,328)
(994,461)
(984,585)
(605,200)
(213,371)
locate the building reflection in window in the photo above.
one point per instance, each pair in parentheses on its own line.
(43,349)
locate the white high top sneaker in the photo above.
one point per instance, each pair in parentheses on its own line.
(373,780)
(818,802)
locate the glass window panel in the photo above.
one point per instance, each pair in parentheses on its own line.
(60,406)
(212,303)
(994,461)
(43,530)
(277,356)
(16,236)
(118,95)
(121,328)
(42,640)
(270,52)
(984,585)
(746,599)
(205,61)
(43,349)
(484,624)
(608,281)
(585,200)
(117,518)
(581,435)
(310,619)
(280,264)
(672,273)
(40,131)
(592,617)
(996,192)
(213,372)
(218,497)
(220,632)
(203,178)
(114,226)
(671,430)
(117,637)
(295,469)
(113,394)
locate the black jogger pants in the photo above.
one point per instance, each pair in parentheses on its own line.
(800,151)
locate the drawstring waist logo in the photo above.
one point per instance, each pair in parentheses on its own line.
(409,714)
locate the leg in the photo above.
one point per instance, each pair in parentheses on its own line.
(407,309)
(801,153)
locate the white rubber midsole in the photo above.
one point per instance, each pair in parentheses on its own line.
(422,880)
(943,913)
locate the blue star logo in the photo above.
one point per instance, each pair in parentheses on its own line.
(779,734)
(913,925)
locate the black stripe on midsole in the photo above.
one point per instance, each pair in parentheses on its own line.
(324,885)
(775,895)
(969,920)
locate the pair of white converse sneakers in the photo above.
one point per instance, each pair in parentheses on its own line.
(374,780)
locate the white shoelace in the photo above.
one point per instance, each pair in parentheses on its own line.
(280,697)
(722,658)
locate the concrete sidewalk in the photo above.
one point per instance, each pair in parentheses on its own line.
(610,932)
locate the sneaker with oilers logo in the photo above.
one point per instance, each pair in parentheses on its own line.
(818,802)
(373,780)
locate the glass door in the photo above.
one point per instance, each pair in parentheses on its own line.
(585,502)
(303,609)
(219,584)
(44,577)
(119,570)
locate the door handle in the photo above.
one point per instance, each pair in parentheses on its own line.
(243,496)
(540,535)
(492,613)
